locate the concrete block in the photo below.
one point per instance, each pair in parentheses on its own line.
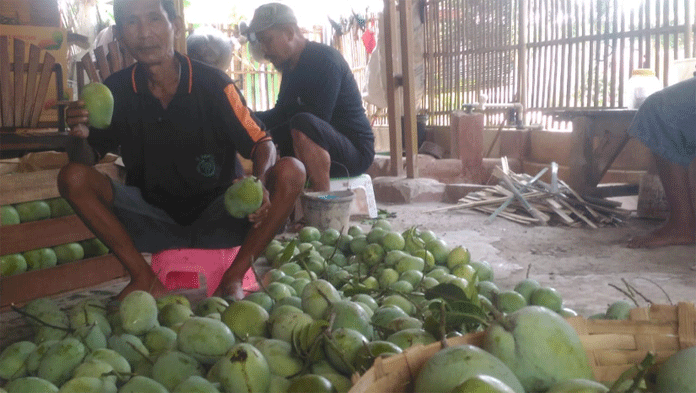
(400,190)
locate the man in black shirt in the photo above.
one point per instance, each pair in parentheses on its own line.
(179,124)
(318,116)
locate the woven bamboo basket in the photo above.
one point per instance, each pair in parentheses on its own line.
(612,347)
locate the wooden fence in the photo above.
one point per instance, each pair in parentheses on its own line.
(259,82)
(548,54)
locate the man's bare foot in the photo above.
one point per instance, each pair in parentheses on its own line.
(154,287)
(668,235)
(232,288)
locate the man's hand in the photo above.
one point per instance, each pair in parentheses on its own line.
(77,117)
(257,217)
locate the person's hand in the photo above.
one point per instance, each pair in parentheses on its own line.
(77,118)
(257,217)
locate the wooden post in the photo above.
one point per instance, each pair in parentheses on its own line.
(689,27)
(396,162)
(409,94)
(180,40)
(522,56)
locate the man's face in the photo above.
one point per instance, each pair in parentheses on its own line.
(276,47)
(146,31)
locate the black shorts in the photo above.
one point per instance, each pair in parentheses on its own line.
(345,156)
(153,230)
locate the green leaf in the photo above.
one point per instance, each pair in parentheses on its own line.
(449,292)
(288,251)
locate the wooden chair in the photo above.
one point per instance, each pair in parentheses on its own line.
(23,90)
(105,64)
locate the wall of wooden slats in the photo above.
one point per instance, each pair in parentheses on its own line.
(548,54)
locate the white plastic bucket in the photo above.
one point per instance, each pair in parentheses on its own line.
(327,209)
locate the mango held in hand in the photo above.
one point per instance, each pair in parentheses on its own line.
(99,103)
(244,197)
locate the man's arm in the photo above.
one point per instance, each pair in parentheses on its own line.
(78,149)
(264,158)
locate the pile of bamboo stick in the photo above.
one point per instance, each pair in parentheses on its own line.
(526,199)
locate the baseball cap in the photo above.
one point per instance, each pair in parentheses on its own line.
(269,15)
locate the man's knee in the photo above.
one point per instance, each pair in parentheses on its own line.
(76,179)
(72,176)
(290,172)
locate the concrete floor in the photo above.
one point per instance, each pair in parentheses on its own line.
(581,263)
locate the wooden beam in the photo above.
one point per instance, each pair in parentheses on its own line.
(409,92)
(43,233)
(393,109)
(21,288)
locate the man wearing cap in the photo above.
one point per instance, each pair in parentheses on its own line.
(318,116)
(179,124)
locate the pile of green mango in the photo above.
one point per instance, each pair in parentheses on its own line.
(332,303)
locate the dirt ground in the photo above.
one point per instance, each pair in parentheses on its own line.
(582,264)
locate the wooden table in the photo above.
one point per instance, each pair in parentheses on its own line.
(599,135)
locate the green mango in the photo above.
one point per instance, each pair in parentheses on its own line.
(205,339)
(242,369)
(33,211)
(174,367)
(9,215)
(244,197)
(58,364)
(678,373)
(30,385)
(451,366)
(41,258)
(539,346)
(281,359)
(13,359)
(578,386)
(88,385)
(482,384)
(99,102)
(195,384)
(140,384)
(138,312)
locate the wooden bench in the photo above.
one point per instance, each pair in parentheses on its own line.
(24,86)
(21,288)
(599,135)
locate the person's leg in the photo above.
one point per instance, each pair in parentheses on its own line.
(285,181)
(91,195)
(315,158)
(680,192)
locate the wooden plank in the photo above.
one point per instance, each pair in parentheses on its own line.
(6,87)
(34,62)
(114,57)
(32,186)
(390,43)
(90,68)
(24,187)
(579,214)
(409,89)
(21,288)
(102,63)
(42,88)
(43,233)
(18,82)
(558,209)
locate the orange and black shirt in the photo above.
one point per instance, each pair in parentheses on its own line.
(182,157)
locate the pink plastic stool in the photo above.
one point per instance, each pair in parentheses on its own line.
(179,268)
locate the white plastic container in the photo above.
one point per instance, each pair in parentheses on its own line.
(640,85)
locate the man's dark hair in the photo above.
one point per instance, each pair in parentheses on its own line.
(167,5)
